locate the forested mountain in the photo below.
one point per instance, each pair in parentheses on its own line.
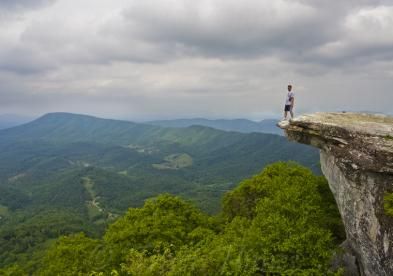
(65,173)
(239,125)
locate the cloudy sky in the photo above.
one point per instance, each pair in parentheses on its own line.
(149,59)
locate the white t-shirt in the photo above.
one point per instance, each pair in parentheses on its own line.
(290,95)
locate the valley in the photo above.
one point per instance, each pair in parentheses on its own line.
(84,172)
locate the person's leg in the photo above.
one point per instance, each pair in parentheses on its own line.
(291,111)
(286,110)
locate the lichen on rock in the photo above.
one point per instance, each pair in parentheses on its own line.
(388,204)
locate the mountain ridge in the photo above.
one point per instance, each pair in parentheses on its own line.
(69,127)
(238,125)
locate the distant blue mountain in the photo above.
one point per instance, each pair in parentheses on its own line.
(11,120)
(238,125)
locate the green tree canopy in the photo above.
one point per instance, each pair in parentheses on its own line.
(74,255)
(163,221)
(281,221)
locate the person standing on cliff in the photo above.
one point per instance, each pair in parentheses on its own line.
(289,102)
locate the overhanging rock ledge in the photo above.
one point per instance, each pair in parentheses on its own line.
(357,160)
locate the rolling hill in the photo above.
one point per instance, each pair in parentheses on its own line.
(90,170)
(61,142)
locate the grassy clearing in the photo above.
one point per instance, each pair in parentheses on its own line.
(175,162)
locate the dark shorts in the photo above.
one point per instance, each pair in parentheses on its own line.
(287,108)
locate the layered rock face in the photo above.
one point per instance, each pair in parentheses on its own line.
(357,160)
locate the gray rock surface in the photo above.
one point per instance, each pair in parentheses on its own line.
(357,160)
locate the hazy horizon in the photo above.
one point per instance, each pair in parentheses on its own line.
(16,117)
(19,119)
(150,60)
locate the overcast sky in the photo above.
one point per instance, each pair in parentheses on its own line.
(150,59)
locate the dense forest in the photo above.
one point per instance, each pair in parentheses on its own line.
(66,174)
(283,220)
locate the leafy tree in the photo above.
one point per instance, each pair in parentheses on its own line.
(163,221)
(216,254)
(145,264)
(13,270)
(74,255)
(288,232)
(286,179)
(221,254)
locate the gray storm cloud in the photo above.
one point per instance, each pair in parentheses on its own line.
(178,58)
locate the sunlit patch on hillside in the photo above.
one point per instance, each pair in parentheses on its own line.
(143,150)
(175,162)
(16,177)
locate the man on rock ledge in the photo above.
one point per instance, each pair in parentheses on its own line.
(289,102)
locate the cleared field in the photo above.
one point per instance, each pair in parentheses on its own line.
(175,162)
(123,172)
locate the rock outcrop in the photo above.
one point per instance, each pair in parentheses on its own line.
(356,152)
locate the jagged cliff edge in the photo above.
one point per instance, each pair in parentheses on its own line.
(356,152)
